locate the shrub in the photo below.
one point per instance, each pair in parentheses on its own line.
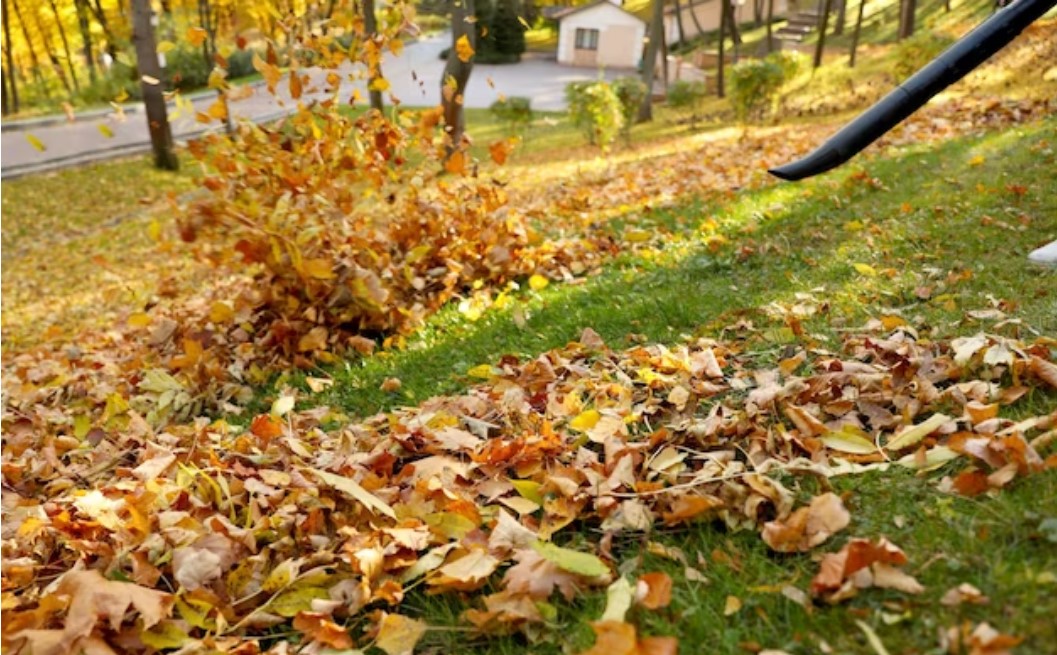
(515,112)
(187,69)
(790,61)
(508,30)
(631,91)
(240,63)
(918,50)
(754,85)
(595,109)
(687,95)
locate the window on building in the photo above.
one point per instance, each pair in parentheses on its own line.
(586,39)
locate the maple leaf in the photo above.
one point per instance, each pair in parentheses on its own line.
(398,634)
(620,638)
(808,526)
(463,49)
(537,577)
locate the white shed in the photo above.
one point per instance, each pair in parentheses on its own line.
(600,34)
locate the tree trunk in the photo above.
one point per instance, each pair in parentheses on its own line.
(457,74)
(86,37)
(100,17)
(855,34)
(65,46)
(649,67)
(693,17)
(679,22)
(56,65)
(907,9)
(153,100)
(207,18)
(721,64)
(9,72)
(32,51)
(842,16)
(370,24)
(757,12)
(770,33)
(732,23)
(823,24)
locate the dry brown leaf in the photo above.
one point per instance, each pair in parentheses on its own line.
(808,526)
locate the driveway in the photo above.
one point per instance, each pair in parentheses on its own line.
(414,77)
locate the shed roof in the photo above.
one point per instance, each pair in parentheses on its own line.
(569,11)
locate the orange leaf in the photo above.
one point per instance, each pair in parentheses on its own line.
(196,36)
(323,630)
(658,590)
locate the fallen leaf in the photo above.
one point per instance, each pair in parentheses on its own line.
(398,634)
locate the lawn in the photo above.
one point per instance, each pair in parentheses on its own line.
(924,235)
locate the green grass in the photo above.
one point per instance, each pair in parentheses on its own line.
(972,204)
(961,217)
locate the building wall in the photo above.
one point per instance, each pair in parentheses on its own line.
(708,13)
(619,40)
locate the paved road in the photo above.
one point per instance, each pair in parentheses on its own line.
(414,76)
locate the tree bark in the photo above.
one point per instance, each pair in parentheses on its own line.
(32,51)
(649,68)
(693,17)
(457,74)
(679,22)
(757,12)
(842,17)
(855,34)
(153,100)
(721,64)
(770,32)
(823,24)
(65,46)
(56,65)
(732,22)
(907,10)
(9,72)
(100,17)
(370,24)
(86,37)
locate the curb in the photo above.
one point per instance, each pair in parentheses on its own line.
(27,124)
(115,152)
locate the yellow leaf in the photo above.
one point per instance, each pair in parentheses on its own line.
(849,442)
(399,634)
(396,46)
(379,84)
(165,46)
(196,36)
(529,489)
(319,268)
(636,236)
(916,433)
(977,160)
(165,635)
(463,49)
(731,606)
(350,487)
(150,79)
(281,576)
(105,130)
(865,269)
(299,599)
(218,110)
(482,371)
(35,142)
(221,312)
(537,282)
(122,96)
(585,421)
(139,320)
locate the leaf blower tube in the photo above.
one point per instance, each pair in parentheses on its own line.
(955,63)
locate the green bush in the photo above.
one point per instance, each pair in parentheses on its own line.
(509,33)
(186,68)
(789,61)
(240,63)
(631,91)
(753,88)
(686,95)
(515,112)
(918,50)
(596,110)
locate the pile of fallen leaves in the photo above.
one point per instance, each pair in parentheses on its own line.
(206,536)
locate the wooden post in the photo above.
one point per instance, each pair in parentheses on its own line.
(150,82)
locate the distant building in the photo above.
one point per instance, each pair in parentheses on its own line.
(600,34)
(708,13)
